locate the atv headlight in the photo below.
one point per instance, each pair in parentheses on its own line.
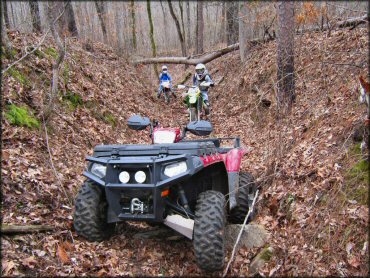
(140,176)
(124,177)
(98,170)
(175,169)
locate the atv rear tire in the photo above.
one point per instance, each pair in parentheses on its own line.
(209,228)
(90,217)
(247,192)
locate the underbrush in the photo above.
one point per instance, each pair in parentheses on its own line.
(21,116)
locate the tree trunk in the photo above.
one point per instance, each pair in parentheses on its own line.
(61,52)
(119,28)
(232,22)
(100,8)
(242,31)
(188,38)
(151,34)
(190,60)
(134,44)
(4,35)
(13,229)
(200,28)
(182,20)
(6,14)
(181,37)
(285,55)
(70,16)
(35,15)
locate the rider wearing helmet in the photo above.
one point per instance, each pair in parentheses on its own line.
(201,75)
(164,76)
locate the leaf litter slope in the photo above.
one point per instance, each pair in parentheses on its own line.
(301,161)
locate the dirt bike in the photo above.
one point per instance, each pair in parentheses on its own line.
(166,89)
(194,100)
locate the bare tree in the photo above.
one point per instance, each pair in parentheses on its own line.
(151,34)
(4,36)
(134,43)
(35,15)
(70,17)
(6,14)
(232,21)
(200,28)
(61,52)
(242,31)
(181,37)
(182,19)
(188,40)
(119,28)
(100,8)
(285,55)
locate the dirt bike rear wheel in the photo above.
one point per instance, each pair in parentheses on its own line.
(193,114)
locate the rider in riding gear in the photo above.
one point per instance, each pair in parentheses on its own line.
(202,75)
(164,76)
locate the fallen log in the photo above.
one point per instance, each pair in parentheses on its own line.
(207,57)
(15,229)
(189,60)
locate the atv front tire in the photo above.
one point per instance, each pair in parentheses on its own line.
(247,192)
(90,217)
(209,228)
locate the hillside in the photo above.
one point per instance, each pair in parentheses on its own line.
(314,182)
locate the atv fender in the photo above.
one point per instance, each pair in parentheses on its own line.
(232,161)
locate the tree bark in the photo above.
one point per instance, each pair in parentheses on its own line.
(190,60)
(58,62)
(14,229)
(188,37)
(35,15)
(180,35)
(100,8)
(4,35)
(242,31)
(200,28)
(285,56)
(182,20)
(134,44)
(70,16)
(232,22)
(6,14)
(151,34)
(119,28)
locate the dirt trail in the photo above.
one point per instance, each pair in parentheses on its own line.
(302,162)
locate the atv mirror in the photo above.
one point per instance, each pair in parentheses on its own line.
(200,128)
(137,122)
(181,86)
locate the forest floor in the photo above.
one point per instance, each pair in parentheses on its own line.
(312,175)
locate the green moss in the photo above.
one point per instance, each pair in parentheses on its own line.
(110,119)
(73,100)
(355,149)
(8,54)
(66,73)
(266,254)
(20,116)
(39,53)
(51,52)
(356,179)
(19,77)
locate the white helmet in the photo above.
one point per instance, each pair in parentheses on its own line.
(200,71)
(164,69)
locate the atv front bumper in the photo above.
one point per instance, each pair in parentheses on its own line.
(150,196)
